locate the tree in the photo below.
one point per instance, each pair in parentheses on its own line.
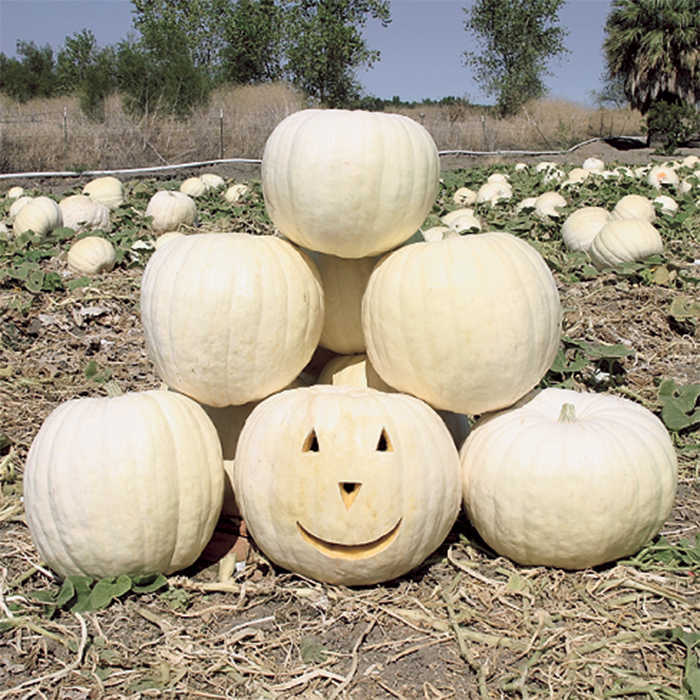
(252,43)
(653,46)
(84,69)
(157,74)
(324,45)
(200,23)
(30,75)
(518,38)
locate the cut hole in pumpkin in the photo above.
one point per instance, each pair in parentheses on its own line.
(384,444)
(311,442)
(349,491)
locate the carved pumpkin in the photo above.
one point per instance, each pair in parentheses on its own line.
(346,485)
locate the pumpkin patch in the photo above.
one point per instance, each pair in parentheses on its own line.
(356,481)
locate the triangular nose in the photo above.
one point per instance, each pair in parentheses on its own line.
(348,492)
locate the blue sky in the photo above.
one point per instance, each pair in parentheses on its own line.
(421,50)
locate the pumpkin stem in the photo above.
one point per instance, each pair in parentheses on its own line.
(568,413)
(450,234)
(113,389)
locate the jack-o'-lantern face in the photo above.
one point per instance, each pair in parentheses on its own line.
(346,485)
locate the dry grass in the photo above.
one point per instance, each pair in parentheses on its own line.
(544,124)
(32,135)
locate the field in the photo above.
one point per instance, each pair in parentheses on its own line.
(467,623)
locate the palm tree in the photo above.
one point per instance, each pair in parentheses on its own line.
(654,47)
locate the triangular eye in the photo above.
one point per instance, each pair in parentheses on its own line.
(311,442)
(384,444)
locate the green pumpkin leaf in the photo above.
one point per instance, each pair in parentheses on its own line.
(147,583)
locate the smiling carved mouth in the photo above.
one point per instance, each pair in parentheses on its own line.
(350,551)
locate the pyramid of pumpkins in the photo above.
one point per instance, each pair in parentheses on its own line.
(359,479)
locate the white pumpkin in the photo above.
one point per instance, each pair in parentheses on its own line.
(568,479)
(460,220)
(349,183)
(236,192)
(593,164)
(463,196)
(435,233)
(576,176)
(582,226)
(212,181)
(15,192)
(344,281)
(229,317)
(662,175)
(125,485)
(16,205)
(468,323)
(91,255)
(169,210)
(634,206)
(527,203)
(624,240)
(40,215)
(163,238)
(193,187)
(547,205)
(667,204)
(107,190)
(81,213)
(494,192)
(346,485)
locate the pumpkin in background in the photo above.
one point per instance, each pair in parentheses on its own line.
(568,479)
(663,175)
(193,187)
(467,323)
(582,226)
(41,215)
(548,205)
(91,254)
(107,190)
(123,485)
(344,281)
(494,192)
(349,183)
(460,220)
(624,240)
(346,485)
(464,196)
(236,192)
(634,206)
(16,205)
(357,371)
(169,210)
(229,317)
(81,213)
(212,181)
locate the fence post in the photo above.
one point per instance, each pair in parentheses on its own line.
(485,135)
(221,133)
(65,127)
